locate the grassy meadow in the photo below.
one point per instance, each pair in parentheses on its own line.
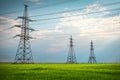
(59,71)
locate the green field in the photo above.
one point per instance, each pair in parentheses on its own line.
(59,71)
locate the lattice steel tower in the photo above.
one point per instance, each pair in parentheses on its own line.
(71,54)
(24,53)
(92,58)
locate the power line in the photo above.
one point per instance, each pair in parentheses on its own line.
(72,20)
(45,23)
(89,33)
(6,29)
(80,34)
(71,10)
(44,19)
(58,3)
(57,12)
(10,12)
(45,6)
(65,34)
(40,29)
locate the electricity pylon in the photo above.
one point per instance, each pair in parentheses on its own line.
(71,54)
(24,53)
(92,58)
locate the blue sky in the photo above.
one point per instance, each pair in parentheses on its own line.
(52,43)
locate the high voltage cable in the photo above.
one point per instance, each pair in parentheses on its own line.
(65,35)
(43,29)
(60,11)
(6,29)
(66,1)
(71,20)
(61,35)
(45,36)
(82,14)
(89,33)
(71,10)
(56,12)
(44,19)
(11,12)
(66,20)
(40,24)
(33,8)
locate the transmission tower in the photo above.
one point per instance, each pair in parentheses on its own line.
(24,53)
(71,54)
(92,58)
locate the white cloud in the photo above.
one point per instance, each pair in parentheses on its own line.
(91,27)
(87,27)
(34,1)
(7,23)
(96,8)
(6,32)
(102,30)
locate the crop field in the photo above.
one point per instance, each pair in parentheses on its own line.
(59,71)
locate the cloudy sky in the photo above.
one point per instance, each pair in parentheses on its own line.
(55,21)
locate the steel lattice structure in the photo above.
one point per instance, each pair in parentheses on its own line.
(24,53)
(92,58)
(71,54)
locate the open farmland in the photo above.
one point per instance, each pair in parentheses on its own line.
(60,71)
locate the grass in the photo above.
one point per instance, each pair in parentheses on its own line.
(59,71)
